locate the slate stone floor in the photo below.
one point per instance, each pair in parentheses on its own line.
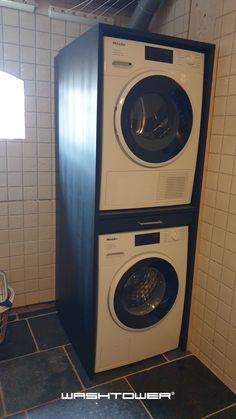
(38,363)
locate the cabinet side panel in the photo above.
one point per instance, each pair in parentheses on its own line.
(76,109)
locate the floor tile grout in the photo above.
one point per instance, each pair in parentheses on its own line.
(19,412)
(141,402)
(30,353)
(219,411)
(38,315)
(180,357)
(105,382)
(32,334)
(158,365)
(74,369)
(18,319)
(135,372)
(164,356)
(40,405)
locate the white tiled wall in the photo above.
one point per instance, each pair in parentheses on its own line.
(213,325)
(28,44)
(173,18)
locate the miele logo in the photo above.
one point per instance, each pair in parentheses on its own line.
(112,238)
(122,44)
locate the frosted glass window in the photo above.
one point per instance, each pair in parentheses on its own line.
(12,107)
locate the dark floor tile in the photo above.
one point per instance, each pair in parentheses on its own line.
(36,379)
(48,331)
(198,392)
(35,313)
(226,414)
(17,416)
(18,341)
(102,377)
(176,353)
(90,409)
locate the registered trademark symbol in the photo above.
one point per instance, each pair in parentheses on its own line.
(173,393)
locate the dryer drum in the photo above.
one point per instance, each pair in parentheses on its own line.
(156,119)
(146,293)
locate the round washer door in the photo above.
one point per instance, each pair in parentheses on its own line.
(153,119)
(144,294)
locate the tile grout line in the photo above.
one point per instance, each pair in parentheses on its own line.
(157,366)
(18,412)
(73,367)
(165,357)
(35,342)
(136,372)
(18,319)
(38,315)
(39,405)
(178,359)
(140,401)
(219,411)
(30,353)
(17,357)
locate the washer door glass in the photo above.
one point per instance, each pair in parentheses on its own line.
(146,293)
(156,119)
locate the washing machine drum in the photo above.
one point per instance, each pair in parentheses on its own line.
(145,293)
(156,119)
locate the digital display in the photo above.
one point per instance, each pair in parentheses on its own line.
(143,239)
(159,54)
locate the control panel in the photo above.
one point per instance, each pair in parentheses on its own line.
(123,56)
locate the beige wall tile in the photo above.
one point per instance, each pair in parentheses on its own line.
(232,85)
(228,277)
(229,144)
(226,164)
(228,24)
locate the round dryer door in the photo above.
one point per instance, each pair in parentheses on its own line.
(154,120)
(145,293)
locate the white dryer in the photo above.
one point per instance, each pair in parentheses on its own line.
(152,100)
(141,288)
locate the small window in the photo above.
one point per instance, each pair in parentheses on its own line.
(12,107)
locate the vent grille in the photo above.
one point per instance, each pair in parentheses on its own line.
(172,186)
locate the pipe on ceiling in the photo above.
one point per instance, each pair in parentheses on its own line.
(143,14)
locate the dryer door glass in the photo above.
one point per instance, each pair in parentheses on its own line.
(146,293)
(156,119)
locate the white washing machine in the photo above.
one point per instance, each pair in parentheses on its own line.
(152,100)
(141,288)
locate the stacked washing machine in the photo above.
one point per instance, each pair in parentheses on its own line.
(149,131)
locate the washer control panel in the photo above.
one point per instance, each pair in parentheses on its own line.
(118,244)
(124,56)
